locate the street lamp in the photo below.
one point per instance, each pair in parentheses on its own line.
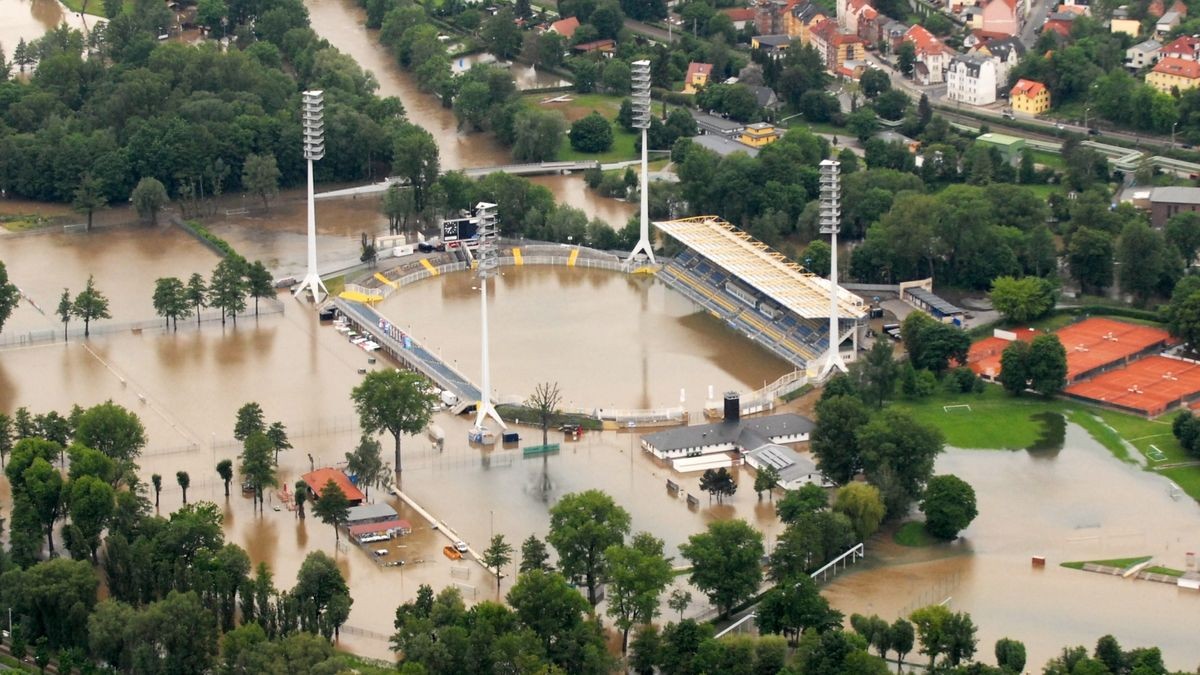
(1173,125)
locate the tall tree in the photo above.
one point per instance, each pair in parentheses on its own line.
(196,294)
(332,507)
(863,505)
(249,420)
(149,197)
(834,439)
(260,175)
(1010,655)
(898,454)
(1046,365)
(1090,259)
(794,606)
(582,526)
(1014,367)
(415,158)
(66,309)
(259,283)
(227,289)
(43,487)
(718,482)
(765,480)
(877,373)
(533,555)
(90,305)
(156,482)
(1183,312)
(726,562)
(949,506)
(225,471)
(257,467)
(6,437)
(398,205)
(901,637)
(497,555)
(88,197)
(1024,299)
(395,401)
(638,574)
(366,463)
(113,430)
(679,601)
(184,481)
(300,494)
(1183,231)
(277,434)
(169,299)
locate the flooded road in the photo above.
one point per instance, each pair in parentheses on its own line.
(1077,504)
(30,19)
(610,340)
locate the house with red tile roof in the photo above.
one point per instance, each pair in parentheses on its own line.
(696,77)
(1060,23)
(1183,47)
(317,480)
(933,56)
(1030,97)
(565,27)
(835,46)
(1174,74)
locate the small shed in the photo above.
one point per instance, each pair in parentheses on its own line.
(370,513)
(1010,146)
(940,309)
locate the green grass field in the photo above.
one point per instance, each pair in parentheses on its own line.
(913,534)
(1050,159)
(1123,563)
(998,421)
(623,148)
(95,7)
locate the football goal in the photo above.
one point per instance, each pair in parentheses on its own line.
(958,407)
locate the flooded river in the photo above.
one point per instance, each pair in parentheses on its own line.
(1076,504)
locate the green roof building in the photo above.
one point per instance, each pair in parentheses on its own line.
(1009,146)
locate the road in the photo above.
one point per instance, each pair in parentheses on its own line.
(652,32)
(1038,9)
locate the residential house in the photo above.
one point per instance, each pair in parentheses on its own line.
(759,134)
(972,17)
(971,79)
(1005,52)
(1143,54)
(740,16)
(836,47)
(1000,16)
(773,45)
(696,77)
(1174,73)
(892,34)
(848,20)
(605,48)
(802,18)
(1168,201)
(1184,47)
(932,55)
(770,16)
(1167,22)
(1029,97)
(764,96)
(870,25)
(1060,23)
(1122,23)
(1078,10)
(565,27)
(1156,9)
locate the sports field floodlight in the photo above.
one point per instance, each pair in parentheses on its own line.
(313,116)
(830,218)
(488,264)
(641,120)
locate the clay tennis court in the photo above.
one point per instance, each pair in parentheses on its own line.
(1149,386)
(1092,345)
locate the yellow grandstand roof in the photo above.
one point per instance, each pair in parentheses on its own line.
(756,264)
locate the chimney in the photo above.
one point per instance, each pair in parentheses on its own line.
(733,407)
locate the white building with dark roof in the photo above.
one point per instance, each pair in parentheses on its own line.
(971,79)
(732,434)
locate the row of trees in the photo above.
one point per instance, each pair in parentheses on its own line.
(232,281)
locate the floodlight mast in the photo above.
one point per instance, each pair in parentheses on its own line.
(830,219)
(488,263)
(313,115)
(641,120)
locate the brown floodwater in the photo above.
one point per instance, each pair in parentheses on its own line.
(1077,504)
(608,339)
(187,386)
(30,19)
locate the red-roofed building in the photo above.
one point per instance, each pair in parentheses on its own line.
(740,16)
(1156,9)
(1060,24)
(1183,47)
(1173,73)
(565,27)
(1000,16)
(605,47)
(696,77)
(1029,97)
(1179,8)
(317,480)
(933,56)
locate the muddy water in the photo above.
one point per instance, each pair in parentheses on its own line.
(341,22)
(610,341)
(30,19)
(1080,504)
(125,262)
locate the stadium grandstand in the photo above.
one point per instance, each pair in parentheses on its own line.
(757,291)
